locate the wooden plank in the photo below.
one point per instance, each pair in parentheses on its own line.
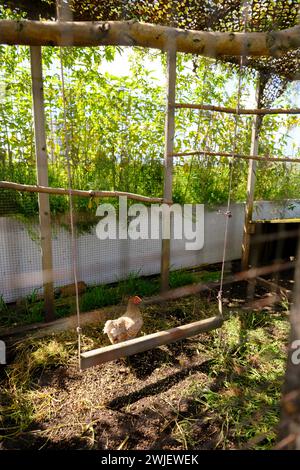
(252,273)
(144,343)
(78,192)
(256,126)
(134,33)
(42,177)
(222,109)
(276,221)
(258,158)
(168,167)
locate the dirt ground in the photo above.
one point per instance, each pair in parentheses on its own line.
(131,403)
(150,400)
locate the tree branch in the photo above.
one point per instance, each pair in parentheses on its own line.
(222,109)
(78,192)
(133,33)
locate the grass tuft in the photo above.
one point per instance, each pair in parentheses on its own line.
(242,408)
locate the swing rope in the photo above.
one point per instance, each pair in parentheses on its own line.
(71,206)
(228,213)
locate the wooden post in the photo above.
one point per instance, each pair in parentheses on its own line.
(256,125)
(168,168)
(289,429)
(42,178)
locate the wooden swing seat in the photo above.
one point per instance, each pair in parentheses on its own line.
(144,343)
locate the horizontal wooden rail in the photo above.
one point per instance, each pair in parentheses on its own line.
(238,156)
(252,273)
(78,192)
(222,109)
(294,220)
(134,33)
(144,343)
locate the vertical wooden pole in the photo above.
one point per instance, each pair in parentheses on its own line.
(168,168)
(289,429)
(256,126)
(42,178)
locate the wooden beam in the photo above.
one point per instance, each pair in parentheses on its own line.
(222,109)
(144,343)
(134,33)
(77,192)
(42,177)
(276,221)
(238,156)
(252,273)
(290,405)
(168,165)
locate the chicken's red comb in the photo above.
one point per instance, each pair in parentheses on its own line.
(136,300)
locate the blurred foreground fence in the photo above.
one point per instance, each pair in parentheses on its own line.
(106,261)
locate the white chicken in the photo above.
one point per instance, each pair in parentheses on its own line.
(128,325)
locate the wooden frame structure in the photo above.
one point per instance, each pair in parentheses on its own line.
(172,40)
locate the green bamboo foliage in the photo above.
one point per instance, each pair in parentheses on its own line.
(115,126)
